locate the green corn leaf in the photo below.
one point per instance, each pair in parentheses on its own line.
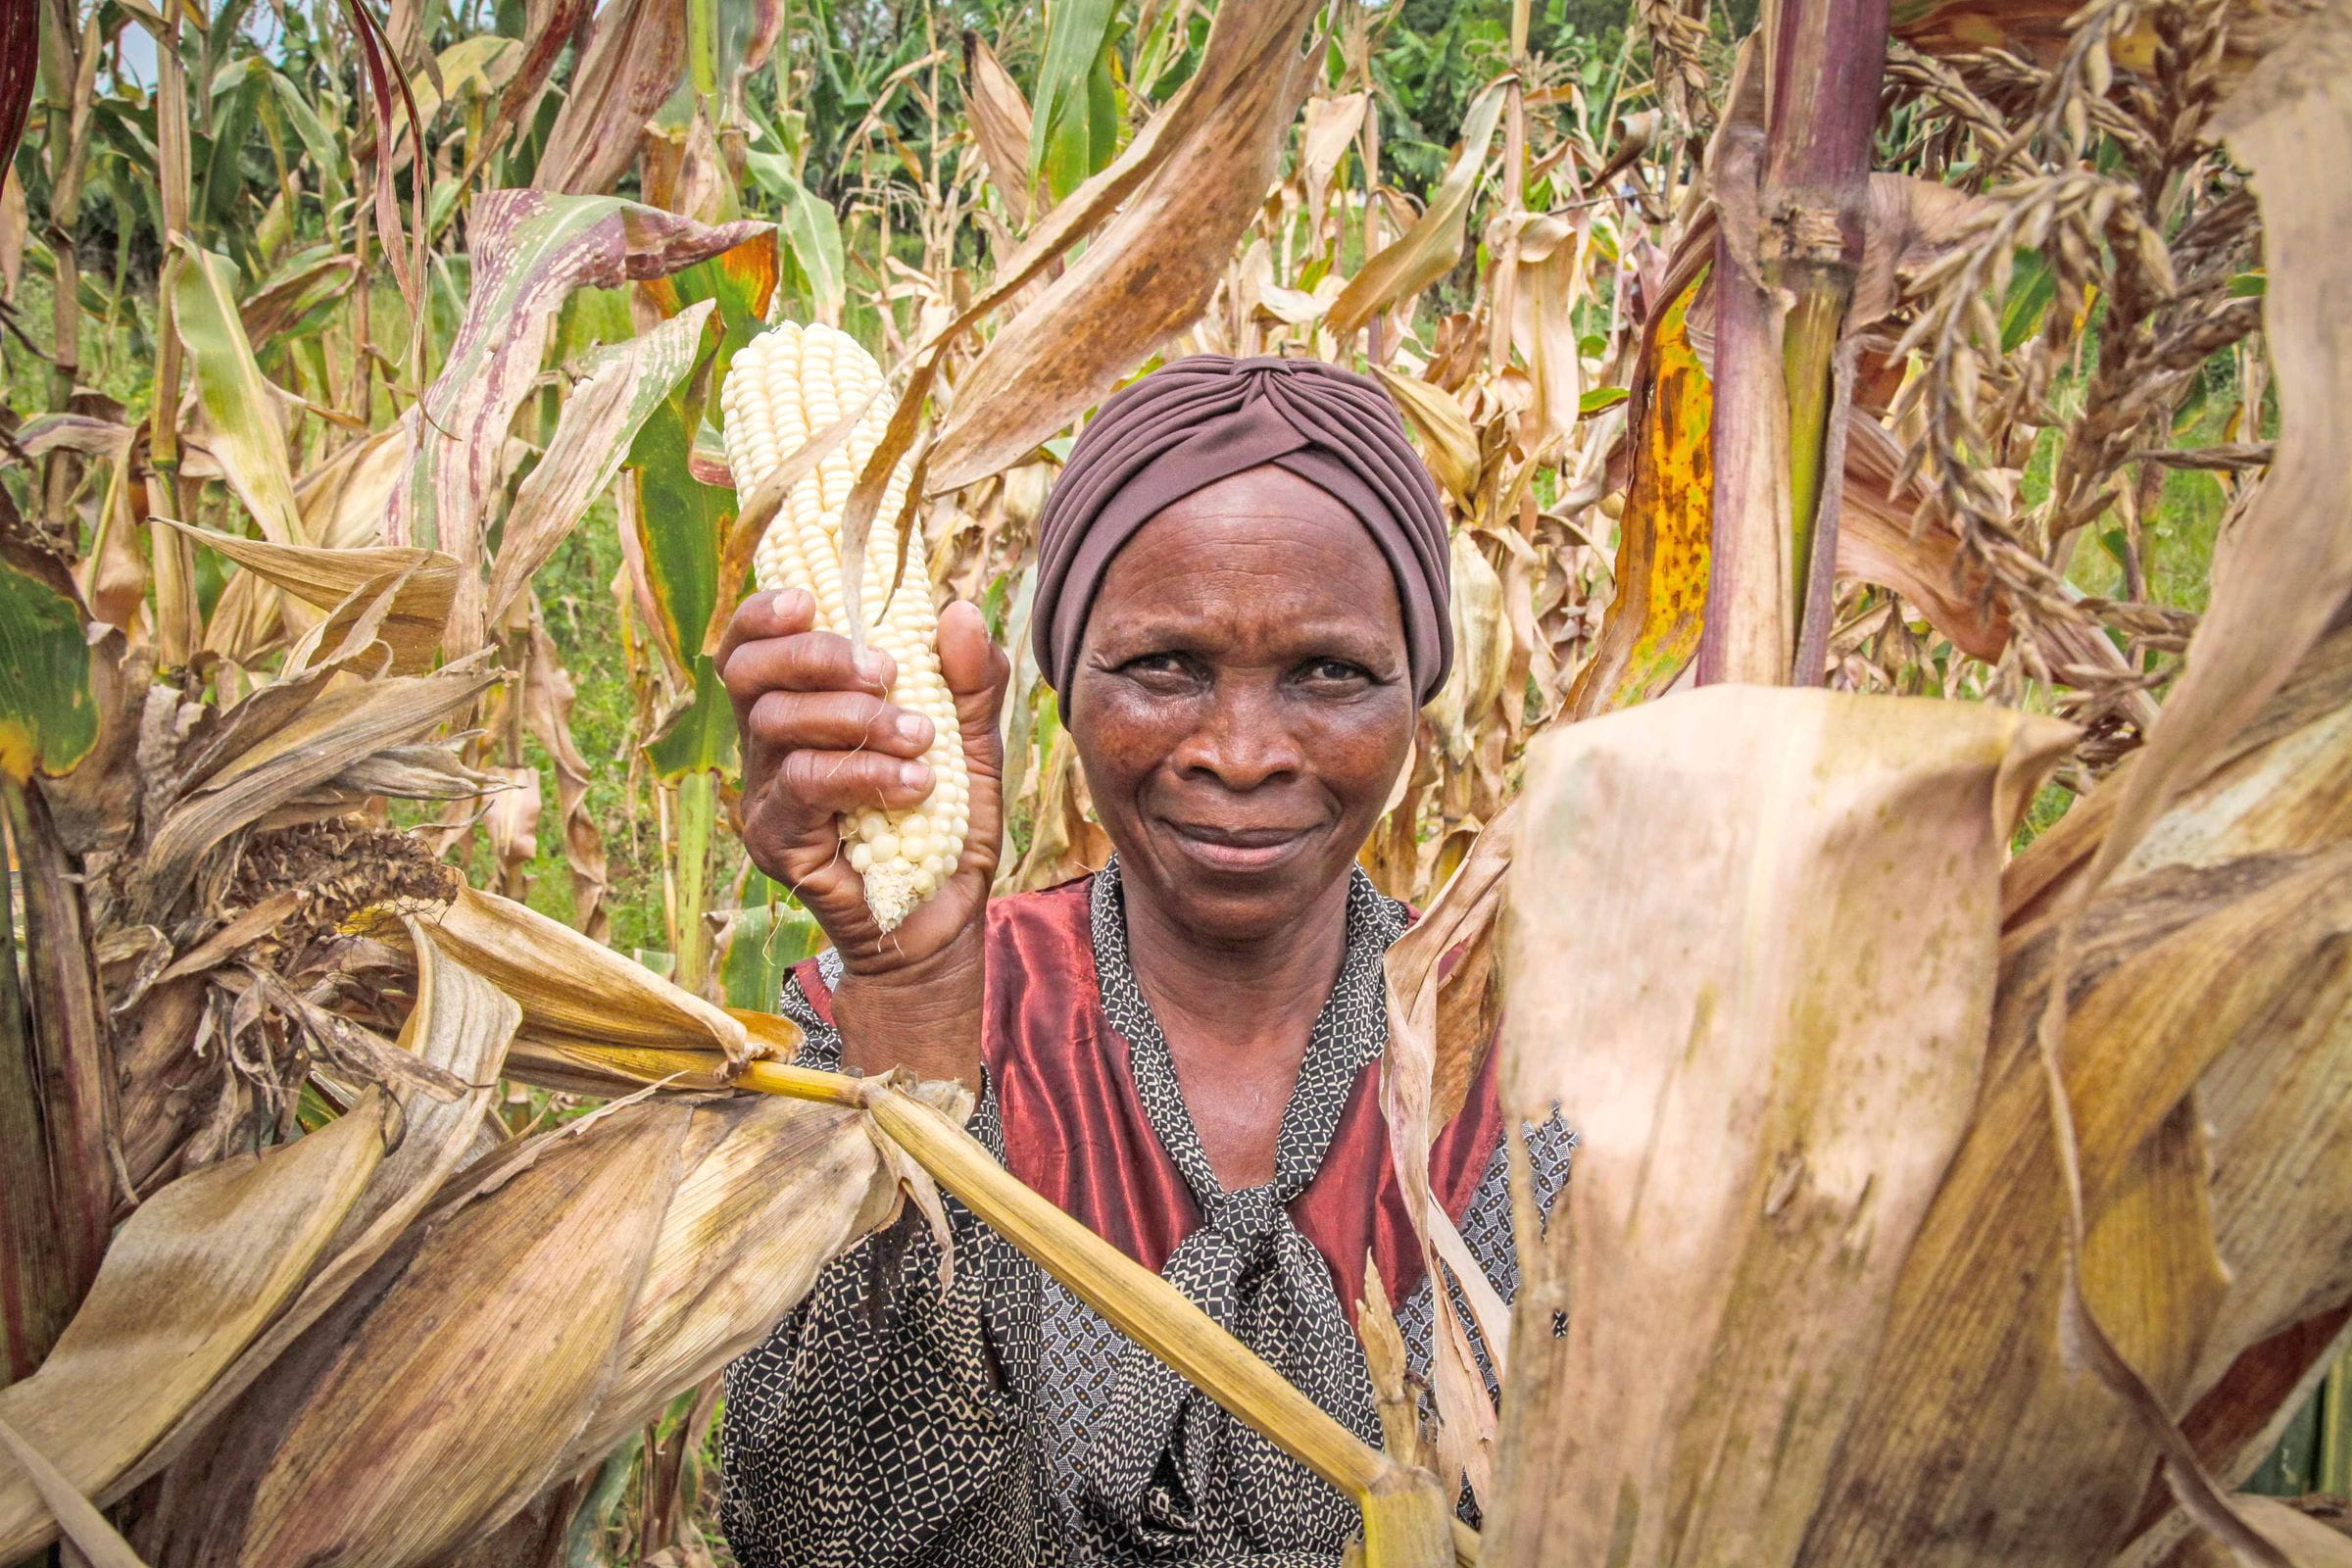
(2032,288)
(238,401)
(326,157)
(48,713)
(1073,125)
(811,264)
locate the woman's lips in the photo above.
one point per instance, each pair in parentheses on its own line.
(1238,849)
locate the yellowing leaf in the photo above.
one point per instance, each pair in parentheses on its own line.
(240,406)
(1448,443)
(572,990)
(1652,626)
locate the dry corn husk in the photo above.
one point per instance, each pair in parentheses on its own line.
(1979,1416)
(1770,1045)
(1481,652)
(457,1027)
(577,995)
(557,1297)
(190,1278)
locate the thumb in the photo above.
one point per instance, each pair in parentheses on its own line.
(976,673)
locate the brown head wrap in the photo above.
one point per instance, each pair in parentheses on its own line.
(1199,419)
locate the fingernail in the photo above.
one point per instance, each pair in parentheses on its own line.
(870,663)
(910,726)
(914,776)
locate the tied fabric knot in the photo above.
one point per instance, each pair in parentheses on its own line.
(1252,1218)
(1161,1442)
(1261,369)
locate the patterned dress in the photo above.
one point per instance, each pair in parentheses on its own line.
(897,1420)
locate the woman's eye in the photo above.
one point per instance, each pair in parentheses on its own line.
(1325,670)
(1159,670)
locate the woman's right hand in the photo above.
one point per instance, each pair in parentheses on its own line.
(820,739)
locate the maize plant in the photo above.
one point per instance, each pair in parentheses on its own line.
(359,1200)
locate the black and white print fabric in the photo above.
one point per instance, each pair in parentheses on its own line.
(1001,1423)
(1167,1474)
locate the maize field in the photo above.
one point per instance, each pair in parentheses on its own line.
(1891,791)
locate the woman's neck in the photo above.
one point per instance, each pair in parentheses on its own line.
(1237,1018)
(1236,988)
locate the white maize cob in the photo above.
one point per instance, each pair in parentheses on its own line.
(786,385)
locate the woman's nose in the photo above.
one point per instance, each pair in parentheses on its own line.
(1242,741)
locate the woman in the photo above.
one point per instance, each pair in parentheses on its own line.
(1241,604)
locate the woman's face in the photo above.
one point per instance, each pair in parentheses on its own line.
(1241,702)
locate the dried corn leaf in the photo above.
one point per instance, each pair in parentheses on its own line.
(459,1027)
(573,1285)
(188,1280)
(339,727)
(402,773)
(2282,1174)
(95,1542)
(1880,541)
(329,577)
(1448,443)
(351,632)
(629,66)
(1065,841)
(2285,569)
(1481,652)
(574,992)
(2284,783)
(2240,1423)
(1150,270)
(510,821)
(548,695)
(2309,1543)
(1792,1050)
(1550,282)
(1415,1064)
(1231,53)
(593,434)
(1433,245)
(529,252)
(999,123)
(2038,29)
(1982,1441)
(1330,129)
(343,498)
